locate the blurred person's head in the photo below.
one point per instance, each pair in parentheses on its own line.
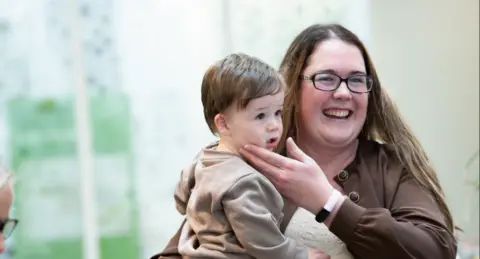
(7,224)
(334,96)
(242,101)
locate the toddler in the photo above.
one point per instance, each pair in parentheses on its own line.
(232,210)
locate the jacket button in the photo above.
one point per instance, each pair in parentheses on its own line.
(354,196)
(343,176)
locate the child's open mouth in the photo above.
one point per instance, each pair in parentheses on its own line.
(272,142)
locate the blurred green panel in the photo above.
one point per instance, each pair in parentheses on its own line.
(43,148)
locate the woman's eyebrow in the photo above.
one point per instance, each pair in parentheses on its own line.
(357,72)
(331,71)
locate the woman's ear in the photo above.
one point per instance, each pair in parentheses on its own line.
(221,124)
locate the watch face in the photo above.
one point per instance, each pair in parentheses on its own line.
(322,215)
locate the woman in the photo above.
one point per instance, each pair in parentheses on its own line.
(351,140)
(7,225)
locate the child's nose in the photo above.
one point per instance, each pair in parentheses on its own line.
(273,126)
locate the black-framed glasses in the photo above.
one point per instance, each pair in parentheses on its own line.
(7,226)
(331,82)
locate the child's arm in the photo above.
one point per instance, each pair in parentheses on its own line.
(181,195)
(183,189)
(254,209)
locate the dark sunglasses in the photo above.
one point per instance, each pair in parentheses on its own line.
(7,226)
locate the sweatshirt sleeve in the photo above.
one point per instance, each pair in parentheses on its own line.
(254,209)
(412,228)
(184,188)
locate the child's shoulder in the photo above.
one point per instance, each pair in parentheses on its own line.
(244,173)
(229,171)
(233,168)
(223,168)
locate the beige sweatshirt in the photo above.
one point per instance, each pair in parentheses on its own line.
(232,211)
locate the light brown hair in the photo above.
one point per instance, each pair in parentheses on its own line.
(383,123)
(237,78)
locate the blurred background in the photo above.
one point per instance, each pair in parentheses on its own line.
(100,105)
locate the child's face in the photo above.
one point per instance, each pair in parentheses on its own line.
(5,204)
(260,123)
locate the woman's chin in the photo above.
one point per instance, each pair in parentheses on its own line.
(338,139)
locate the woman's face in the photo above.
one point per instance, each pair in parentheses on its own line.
(5,204)
(332,118)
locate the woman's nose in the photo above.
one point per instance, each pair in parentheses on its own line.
(342,92)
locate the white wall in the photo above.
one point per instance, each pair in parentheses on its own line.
(165,48)
(427,55)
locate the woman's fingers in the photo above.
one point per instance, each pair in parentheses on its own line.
(275,159)
(296,153)
(269,170)
(265,154)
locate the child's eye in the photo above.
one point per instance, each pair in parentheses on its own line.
(260,116)
(278,113)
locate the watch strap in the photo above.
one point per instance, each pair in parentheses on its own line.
(328,207)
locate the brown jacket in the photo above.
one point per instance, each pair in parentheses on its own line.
(387,216)
(227,204)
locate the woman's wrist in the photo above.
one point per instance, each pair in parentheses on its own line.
(334,212)
(319,199)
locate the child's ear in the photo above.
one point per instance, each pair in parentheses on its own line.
(221,124)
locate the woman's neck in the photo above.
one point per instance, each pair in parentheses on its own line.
(331,160)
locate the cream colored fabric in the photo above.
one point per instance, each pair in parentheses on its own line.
(307,232)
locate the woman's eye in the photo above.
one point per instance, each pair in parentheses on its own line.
(324,78)
(327,79)
(278,113)
(260,116)
(357,80)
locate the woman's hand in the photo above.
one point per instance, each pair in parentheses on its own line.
(317,254)
(298,178)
